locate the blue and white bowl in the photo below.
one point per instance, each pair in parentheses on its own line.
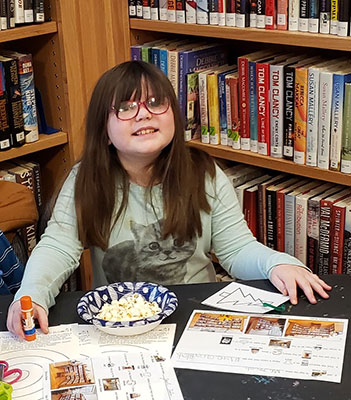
(91,303)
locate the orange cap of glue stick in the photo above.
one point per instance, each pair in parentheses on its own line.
(27,318)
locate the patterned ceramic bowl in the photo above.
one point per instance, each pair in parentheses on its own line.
(90,304)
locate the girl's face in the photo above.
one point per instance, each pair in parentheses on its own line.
(142,137)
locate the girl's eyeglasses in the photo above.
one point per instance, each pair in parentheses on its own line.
(129,109)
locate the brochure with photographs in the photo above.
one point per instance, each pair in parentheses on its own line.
(273,345)
(118,376)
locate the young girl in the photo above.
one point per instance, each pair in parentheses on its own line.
(148,207)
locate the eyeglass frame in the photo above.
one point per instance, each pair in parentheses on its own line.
(139,103)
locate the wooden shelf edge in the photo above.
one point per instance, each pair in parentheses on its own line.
(44,142)
(26,31)
(301,39)
(277,164)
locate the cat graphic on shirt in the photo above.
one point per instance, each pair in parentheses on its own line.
(148,257)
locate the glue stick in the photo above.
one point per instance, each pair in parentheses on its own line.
(27,318)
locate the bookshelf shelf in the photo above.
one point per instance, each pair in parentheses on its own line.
(27,31)
(44,142)
(277,164)
(301,39)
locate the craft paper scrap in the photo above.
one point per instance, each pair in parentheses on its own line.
(243,298)
(93,341)
(274,345)
(32,357)
(127,376)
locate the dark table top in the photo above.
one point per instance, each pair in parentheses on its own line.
(221,386)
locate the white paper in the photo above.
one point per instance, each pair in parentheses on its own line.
(127,376)
(243,298)
(274,345)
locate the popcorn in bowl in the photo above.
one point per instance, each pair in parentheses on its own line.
(92,303)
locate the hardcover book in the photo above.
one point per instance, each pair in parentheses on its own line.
(346,135)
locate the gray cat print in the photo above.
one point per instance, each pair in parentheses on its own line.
(148,257)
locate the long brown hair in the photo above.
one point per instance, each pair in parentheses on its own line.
(179,169)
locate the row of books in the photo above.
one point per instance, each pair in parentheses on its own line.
(308,219)
(17,12)
(323,16)
(18,109)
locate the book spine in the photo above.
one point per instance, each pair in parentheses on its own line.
(301,229)
(135,52)
(162,10)
(312,116)
(337,242)
(261,14)
(139,8)
(19,12)
(324,237)
(29,107)
(222,110)
(276,110)
(346,134)
(5,136)
(202,12)
(180,11)
(303,16)
(37,185)
(244,100)
(253,107)
(132,8)
(213,109)
(253,14)
(14,97)
(300,121)
(271,19)
(289,237)
(289,112)
(154,9)
(344,18)
(190,12)
(221,12)
(230,13)
(346,260)
(294,11)
(28,11)
(228,110)
(164,61)
(325,98)
(334,17)
(324,16)
(171,11)
(242,13)
(313,214)
(205,137)
(192,123)
(337,120)
(280,221)
(250,210)
(3,15)
(146,9)
(10,13)
(213,11)
(263,117)
(172,69)
(313,16)
(271,216)
(261,201)
(234,103)
(282,15)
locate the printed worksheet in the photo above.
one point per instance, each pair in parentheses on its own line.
(274,345)
(123,376)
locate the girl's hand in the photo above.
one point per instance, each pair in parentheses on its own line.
(14,318)
(286,278)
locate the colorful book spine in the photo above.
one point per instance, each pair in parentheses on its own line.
(325,100)
(171,10)
(202,12)
(162,8)
(190,12)
(5,136)
(213,108)
(203,96)
(294,12)
(192,129)
(337,239)
(221,12)
(339,80)
(233,121)
(180,11)
(303,16)
(242,13)
(276,109)
(300,121)
(39,15)
(344,18)
(346,134)
(19,12)
(289,234)
(146,9)
(334,17)
(139,8)
(132,8)
(346,262)
(271,15)
(282,15)
(243,65)
(324,16)
(213,11)
(230,13)
(289,112)
(223,107)
(313,16)
(253,107)
(261,16)
(154,10)
(263,116)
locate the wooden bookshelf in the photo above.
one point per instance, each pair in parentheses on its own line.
(27,31)
(300,39)
(278,164)
(44,142)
